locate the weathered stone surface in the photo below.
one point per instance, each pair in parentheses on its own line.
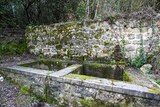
(130,47)
(1,78)
(74,39)
(75,92)
(146,68)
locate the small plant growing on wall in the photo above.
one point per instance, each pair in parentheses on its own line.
(140,59)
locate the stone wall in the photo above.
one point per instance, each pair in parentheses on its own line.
(93,38)
(74,92)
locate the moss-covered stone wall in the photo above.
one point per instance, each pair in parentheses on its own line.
(92,38)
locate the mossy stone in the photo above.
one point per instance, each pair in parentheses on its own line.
(126,77)
(82,77)
(154,90)
(59,46)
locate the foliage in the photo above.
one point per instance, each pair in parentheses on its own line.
(81,10)
(25,89)
(13,48)
(24,12)
(6,16)
(138,61)
(154,57)
(158,81)
(87,103)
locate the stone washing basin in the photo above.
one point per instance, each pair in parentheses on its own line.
(67,82)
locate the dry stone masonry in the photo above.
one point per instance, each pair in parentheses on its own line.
(93,38)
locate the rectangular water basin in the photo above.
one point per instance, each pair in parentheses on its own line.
(47,65)
(106,71)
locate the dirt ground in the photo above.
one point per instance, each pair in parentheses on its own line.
(10,94)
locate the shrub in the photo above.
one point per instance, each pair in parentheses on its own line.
(158,81)
(13,48)
(138,61)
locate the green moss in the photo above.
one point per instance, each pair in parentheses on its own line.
(50,72)
(95,46)
(88,103)
(83,58)
(59,46)
(82,77)
(29,29)
(50,43)
(25,89)
(98,103)
(99,33)
(117,63)
(126,77)
(97,65)
(106,43)
(154,90)
(70,24)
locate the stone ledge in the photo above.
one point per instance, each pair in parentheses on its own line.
(118,87)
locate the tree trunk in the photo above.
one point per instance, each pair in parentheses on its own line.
(87,10)
(97,7)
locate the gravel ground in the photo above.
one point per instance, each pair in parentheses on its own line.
(10,60)
(140,78)
(10,94)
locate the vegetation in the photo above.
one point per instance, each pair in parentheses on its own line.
(24,12)
(140,59)
(25,89)
(88,103)
(21,13)
(126,77)
(158,81)
(13,48)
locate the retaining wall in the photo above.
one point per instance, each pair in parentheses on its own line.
(93,38)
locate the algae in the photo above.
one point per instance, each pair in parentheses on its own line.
(82,77)
(154,90)
(126,77)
